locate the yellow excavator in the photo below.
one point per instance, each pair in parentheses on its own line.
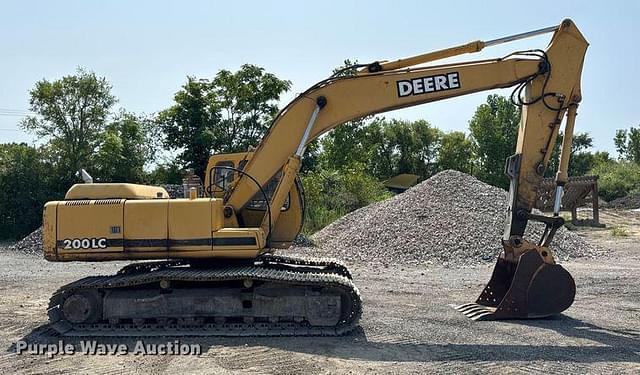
(209,266)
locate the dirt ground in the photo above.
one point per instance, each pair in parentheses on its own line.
(408,324)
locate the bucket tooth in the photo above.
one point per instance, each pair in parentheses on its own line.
(471,309)
(466,306)
(484,316)
(529,289)
(475,311)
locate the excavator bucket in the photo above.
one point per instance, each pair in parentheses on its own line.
(527,289)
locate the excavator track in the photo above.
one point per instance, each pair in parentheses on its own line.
(327,264)
(318,299)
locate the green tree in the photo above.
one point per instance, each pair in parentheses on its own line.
(345,145)
(330,194)
(227,114)
(581,160)
(494,131)
(622,177)
(189,125)
(386,147)
(248,100)
(24,187)
(617,179)
(415,145)
(123,150)
(72,113)
(628,144)
(601,157)
(456,152)
(379,150)
(311,157)
(168,172)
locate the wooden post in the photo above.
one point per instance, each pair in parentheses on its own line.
(594,203)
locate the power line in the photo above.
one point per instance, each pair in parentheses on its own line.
(13,109)
(15,112)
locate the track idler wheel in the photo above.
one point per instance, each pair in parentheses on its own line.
(527,289)
(82,307)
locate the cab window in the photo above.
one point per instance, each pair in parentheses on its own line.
(223,177)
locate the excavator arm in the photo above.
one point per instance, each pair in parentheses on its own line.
(547,86)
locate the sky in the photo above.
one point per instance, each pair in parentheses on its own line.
(146,49)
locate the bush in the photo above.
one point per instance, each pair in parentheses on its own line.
(617,179)
(330,194)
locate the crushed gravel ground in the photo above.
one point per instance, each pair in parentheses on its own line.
(408,327)
(451,219)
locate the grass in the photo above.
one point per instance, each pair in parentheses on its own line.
(319,217)
(617,231)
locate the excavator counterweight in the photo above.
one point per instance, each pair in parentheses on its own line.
(210,265)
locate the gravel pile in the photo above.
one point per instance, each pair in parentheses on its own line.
(450,219)
(31,244)
(629,202)
(175,191)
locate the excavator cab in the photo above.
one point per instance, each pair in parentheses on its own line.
(224,170)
